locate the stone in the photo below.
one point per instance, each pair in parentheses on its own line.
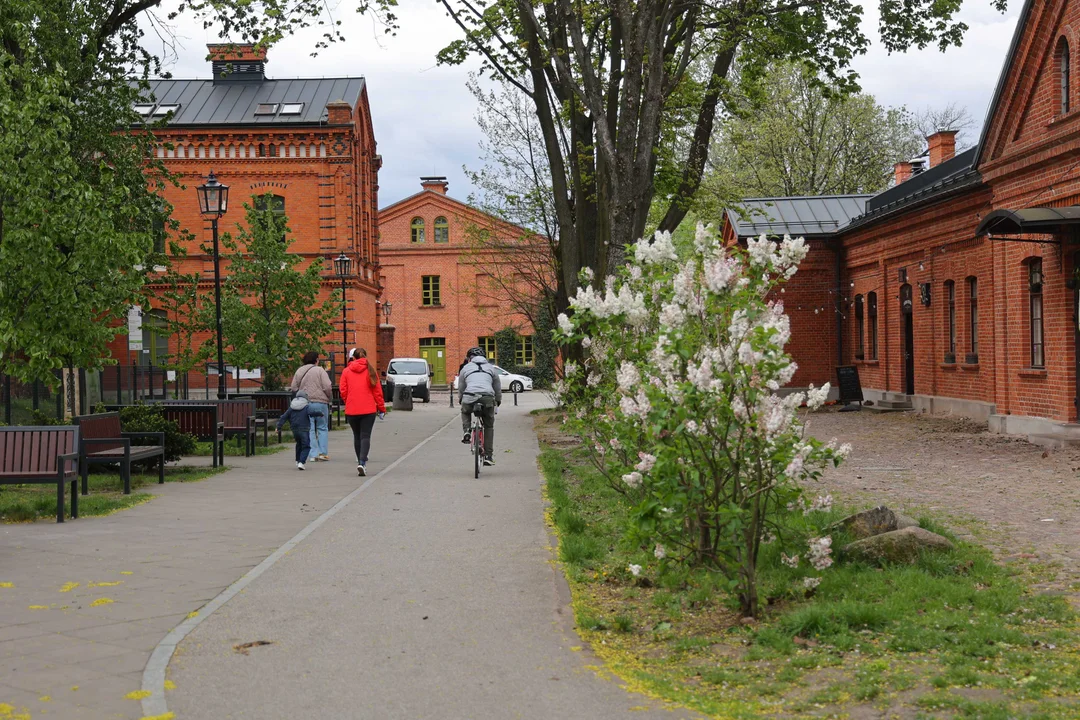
(868,522)
(903,521)
(897,546)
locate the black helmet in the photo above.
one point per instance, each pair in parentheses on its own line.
(475,352)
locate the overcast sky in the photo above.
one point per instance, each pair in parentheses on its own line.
(424,115)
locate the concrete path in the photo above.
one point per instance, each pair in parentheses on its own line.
(157,563)
(431,595)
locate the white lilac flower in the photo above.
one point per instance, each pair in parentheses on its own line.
(672,315)
(593,380)
(644,407)
(659,250)
(784,375)
(692,427)
(795,467)
(811,582)
(598,402)
(628,406)
(701,375)
(683,284)
(635,570)
(586,342)
(647,462)
(769,538)
(632,479)
(667,512)
(635,272)
(628,377)
(570,369)
(564,324)
(762,252)
(660,552)
(615,444)
(738,408)
(588,274)
(720,274)
(844,451)
(580,414)
(820,549)
(704,239)
(791,253)
(821,503)
(789,560)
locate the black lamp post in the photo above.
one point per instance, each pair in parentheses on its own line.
(213,203)
(342,266)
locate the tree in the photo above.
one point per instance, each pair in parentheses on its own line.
(604,76)
(271,314)
(798,136)
(951,117)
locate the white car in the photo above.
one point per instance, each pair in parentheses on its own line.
(413,372)
(511,382)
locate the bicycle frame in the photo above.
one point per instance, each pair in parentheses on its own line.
(477,439)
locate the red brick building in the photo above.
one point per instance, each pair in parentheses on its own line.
(957,289)
(454,276)
(309,142)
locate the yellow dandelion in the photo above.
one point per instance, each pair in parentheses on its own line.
(69,586)
(170,685)
(137,695)
(101,601)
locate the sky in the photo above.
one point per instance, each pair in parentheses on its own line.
(424,116)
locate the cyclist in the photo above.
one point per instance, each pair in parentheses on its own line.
(478,382)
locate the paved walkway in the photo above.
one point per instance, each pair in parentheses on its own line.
(430,594)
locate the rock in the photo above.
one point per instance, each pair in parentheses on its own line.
(903,521)
(868,522)
(898,546)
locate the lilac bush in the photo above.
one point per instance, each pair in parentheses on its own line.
(677,401)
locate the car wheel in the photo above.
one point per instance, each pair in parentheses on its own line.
(427,396)
(516,386)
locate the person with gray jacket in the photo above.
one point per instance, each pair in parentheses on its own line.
(313,380)
(478,383)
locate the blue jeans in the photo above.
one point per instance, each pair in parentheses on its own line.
(319,438)
(302,447)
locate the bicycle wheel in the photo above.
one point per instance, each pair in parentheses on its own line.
(478,448)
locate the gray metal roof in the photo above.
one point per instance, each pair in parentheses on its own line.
(805,216)
(204,102)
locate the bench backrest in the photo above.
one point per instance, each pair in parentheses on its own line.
(274,402)
(198,420)
(234,413)
(34,449)
(100,425)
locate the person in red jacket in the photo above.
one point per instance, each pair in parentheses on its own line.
(362,393)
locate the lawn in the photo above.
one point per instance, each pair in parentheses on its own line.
(955,635)
(26,503)
(235,446)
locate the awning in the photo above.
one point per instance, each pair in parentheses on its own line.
(1029,220)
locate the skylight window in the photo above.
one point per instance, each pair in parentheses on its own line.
(292,108)
(166,109)
(266,109)
(144,109)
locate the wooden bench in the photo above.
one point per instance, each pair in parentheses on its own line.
(199,421)
(103,442)
(269,405)
(238,414)
(42,456)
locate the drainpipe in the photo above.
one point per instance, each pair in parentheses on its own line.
(838,249)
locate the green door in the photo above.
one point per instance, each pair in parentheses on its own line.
(434,351)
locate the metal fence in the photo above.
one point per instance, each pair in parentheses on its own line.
(31,403)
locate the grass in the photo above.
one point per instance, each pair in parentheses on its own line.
(234,447)
(956,634)
(27,503)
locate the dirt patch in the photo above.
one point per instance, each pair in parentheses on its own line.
(1013,496)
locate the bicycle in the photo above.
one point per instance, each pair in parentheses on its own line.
(477,430)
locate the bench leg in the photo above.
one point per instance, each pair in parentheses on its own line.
(75,497)
(125,474)
(84,469)
(214,450)
(266,433)
(161,470)
(60,498)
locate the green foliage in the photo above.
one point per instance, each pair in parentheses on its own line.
(148,418)
(506,346)
(38,417)
(271,313)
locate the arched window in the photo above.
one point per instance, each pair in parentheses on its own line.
(859,328)
(273,203)
(973,318)
(950,320)
(418,230)
(442,230)
(871,312)
(1035,312)
(1064,61)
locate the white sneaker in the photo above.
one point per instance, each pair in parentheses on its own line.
(299,466)
(361,470)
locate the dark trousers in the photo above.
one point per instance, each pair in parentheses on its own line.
(361,435)
(303,446)
(488,403)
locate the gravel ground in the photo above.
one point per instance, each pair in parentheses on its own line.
(1017,498)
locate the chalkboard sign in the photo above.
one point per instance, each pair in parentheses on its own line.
(847,377)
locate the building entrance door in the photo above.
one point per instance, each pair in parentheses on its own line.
(434,351)
(907,317)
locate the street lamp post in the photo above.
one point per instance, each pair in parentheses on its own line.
(213,203)
(342,266)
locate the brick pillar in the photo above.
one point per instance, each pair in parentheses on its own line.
(384,347)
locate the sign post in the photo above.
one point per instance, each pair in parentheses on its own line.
(847,381)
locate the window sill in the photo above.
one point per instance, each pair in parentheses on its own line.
(969,366)
(431,307)
(1032,372)
(867,362)
(947,366)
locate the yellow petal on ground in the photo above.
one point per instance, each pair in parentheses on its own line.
(137,695)
(69,586)
(170,685)
(167,716)
(45,698)
(126,572)
(114,583)
(8,712)
(576,648)
(74,688)
(193,613)
(39,607)
(101,601)
(7,585)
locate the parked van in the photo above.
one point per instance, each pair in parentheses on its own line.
(412,372)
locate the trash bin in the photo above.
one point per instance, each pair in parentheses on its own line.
(403,397)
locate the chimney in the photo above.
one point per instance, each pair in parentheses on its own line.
(942,146)
(233,62)
(903,172)
(338,112)
(435,184)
